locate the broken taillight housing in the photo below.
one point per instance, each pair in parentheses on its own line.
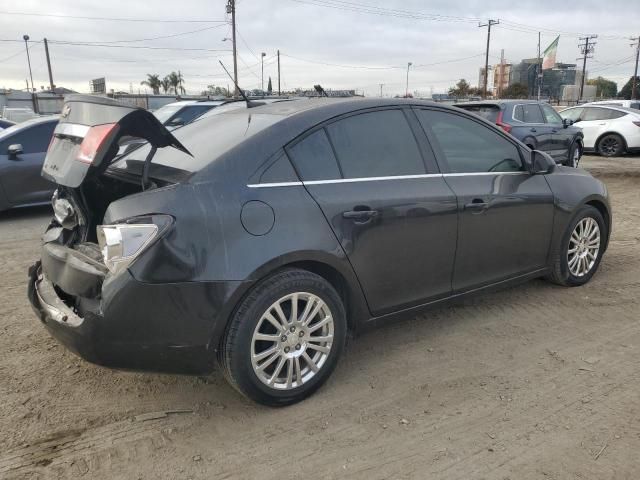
(93,141)
(122,243)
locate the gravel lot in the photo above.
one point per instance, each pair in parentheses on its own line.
(536,381)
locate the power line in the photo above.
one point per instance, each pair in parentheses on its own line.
(110,19)
(151,38)
(145,47)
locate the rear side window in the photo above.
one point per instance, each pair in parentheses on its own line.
(188,114)
(528,113)
(468,146)
(376,144)
(314,159)
(601,114)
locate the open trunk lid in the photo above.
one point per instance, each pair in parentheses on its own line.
(86,139)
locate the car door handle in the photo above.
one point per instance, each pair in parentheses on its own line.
(360,214)
(533,130)
(477,204)
(555,130)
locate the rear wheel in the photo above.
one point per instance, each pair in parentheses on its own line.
(578,256)
(611,145)
(285,338)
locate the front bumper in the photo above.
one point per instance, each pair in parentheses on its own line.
(132,325)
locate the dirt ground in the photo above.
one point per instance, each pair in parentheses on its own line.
(535,382)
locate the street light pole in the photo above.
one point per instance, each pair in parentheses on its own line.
(26,44)
(406,93)
(262,66)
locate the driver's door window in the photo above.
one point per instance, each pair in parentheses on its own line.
(468,146)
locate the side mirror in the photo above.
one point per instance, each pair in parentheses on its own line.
(567,122)
(176,122)
(14,150)
(541,162)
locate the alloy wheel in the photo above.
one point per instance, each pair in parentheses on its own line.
(609,146)
(584,245)
(292,341)
(576,156)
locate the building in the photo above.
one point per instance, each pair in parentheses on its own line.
(501,76)
(481,78)
(553,79)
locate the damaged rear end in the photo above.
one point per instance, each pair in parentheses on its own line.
(82,288)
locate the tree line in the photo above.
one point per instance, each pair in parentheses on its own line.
(171,82)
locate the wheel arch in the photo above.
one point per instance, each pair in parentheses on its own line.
(601,206)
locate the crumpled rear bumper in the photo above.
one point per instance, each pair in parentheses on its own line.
(130,325)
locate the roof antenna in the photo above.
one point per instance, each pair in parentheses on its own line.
(250,104)
(320,90)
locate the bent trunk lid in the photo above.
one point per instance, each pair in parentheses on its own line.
(104,121)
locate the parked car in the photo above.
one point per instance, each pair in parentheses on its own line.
(6,124)
(609,130)
(635,104)
(260,246)
(536,124)
(22,151)
(180,113)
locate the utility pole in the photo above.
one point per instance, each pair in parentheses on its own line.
(539,72)
(486,58)
(501,76)
(634,81)
(381,85)
(46,51)
(262,67)
(406,93)
(34,98)
(586,49)
(279,73)
(180,82)
(231,8)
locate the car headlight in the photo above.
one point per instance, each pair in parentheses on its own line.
(122,243)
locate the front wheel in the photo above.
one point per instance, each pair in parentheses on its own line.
(285,338)
(575,153)
(578,256)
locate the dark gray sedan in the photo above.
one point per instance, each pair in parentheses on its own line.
(259,247)
(22,151)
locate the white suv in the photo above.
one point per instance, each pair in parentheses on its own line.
(608,130)
(635,104)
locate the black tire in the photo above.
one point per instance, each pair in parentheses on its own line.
(236,349)
(572,161)
(611,145)
(560,272)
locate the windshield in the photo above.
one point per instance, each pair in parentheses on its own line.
(230,129)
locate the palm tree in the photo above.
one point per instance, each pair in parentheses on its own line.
(166,84)
(176,80)
(153,82)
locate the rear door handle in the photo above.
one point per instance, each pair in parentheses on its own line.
(477,204)
(360,214)
(533,130)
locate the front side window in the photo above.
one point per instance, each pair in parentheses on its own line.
(550,115)
(33,140)
(468,146)
(376,144)
(528,113)
(572,113)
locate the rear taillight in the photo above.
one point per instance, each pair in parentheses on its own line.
(93,140)
(505,126)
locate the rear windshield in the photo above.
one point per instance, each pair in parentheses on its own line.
(207,139)
(488,112)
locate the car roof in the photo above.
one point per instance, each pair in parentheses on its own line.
(496,103)
(184,103)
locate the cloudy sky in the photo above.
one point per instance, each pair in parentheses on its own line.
(357,44)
